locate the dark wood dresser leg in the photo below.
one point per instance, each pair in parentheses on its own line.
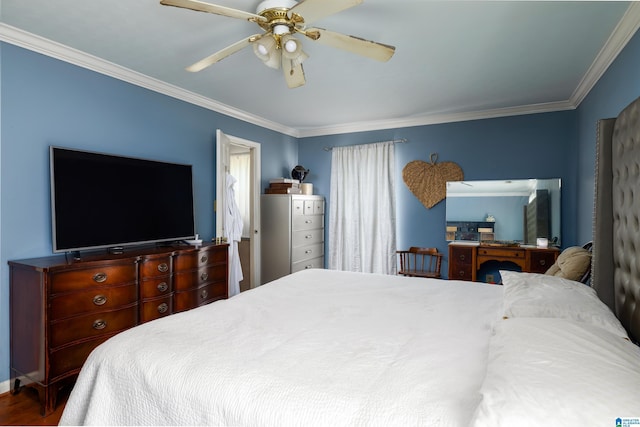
(16,387)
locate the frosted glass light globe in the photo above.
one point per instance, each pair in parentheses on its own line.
(290,46)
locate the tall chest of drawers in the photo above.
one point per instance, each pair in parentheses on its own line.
(61,309)
(292,234)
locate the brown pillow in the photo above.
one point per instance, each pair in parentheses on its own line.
(571,264)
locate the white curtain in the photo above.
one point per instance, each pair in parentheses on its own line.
(362,219)
(240,168)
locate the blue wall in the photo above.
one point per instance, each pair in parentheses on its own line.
(619,86)
(48,102)
(531,146)
(44,101)
(551,145)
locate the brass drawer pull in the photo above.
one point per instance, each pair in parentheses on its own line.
(163,268)
(99,300)
(162,308)
(462,257)
(543,262)
(204,259)
(162,287)
(204,294)
(204,276)
(99,324)
(100,277)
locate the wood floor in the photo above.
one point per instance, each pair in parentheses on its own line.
(24,409)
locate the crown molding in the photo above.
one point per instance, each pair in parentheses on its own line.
(618,39)
(24,39)
(432,119)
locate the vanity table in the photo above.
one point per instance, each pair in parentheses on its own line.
(465,258)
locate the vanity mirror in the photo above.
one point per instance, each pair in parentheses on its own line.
(517,211)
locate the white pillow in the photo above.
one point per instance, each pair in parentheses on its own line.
(541,295)
(546,371)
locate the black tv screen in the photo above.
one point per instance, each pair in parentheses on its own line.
(108,201)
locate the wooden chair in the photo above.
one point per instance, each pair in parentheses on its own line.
(420,262)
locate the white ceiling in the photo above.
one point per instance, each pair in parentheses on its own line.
(454,60)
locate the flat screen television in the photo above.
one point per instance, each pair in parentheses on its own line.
(108,201)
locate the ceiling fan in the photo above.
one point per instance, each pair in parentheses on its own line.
(280,20)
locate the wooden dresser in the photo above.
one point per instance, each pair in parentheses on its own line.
(61,309)
(465,259)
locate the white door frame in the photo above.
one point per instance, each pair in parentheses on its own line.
(223,143)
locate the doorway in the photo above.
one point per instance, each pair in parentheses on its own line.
(241,159)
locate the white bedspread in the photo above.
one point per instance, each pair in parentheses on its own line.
(318,347)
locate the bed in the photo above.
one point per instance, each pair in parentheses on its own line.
(322,347)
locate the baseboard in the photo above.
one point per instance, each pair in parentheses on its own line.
(5,386)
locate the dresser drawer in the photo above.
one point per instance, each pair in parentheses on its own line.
(540,261)
(156,308)
(92,277)
(92,325)
(92,300)
(151,288)
(184,280)
(307,237)
(461,255)
(69,360)
(307,252)
(318,207)
(306,264)
(155,267)
(196,259)
(297,207)
(461,272)
(307,222)
(203,295)
(497,253)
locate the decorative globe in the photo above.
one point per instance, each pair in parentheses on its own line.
(299,173)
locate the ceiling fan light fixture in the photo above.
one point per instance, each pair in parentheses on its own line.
(280,30)
(267,50)
(262,51)
(291,47)
(280,20)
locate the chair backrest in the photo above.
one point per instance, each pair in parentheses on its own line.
(420,262)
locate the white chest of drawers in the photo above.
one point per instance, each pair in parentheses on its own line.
(292,234)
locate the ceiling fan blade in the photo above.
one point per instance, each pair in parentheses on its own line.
(201,6)
(368,48)
(220,55)
(312,10)
(293,73)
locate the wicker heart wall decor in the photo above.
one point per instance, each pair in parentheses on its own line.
(428,181)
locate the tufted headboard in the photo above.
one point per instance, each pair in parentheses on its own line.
(616,233)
